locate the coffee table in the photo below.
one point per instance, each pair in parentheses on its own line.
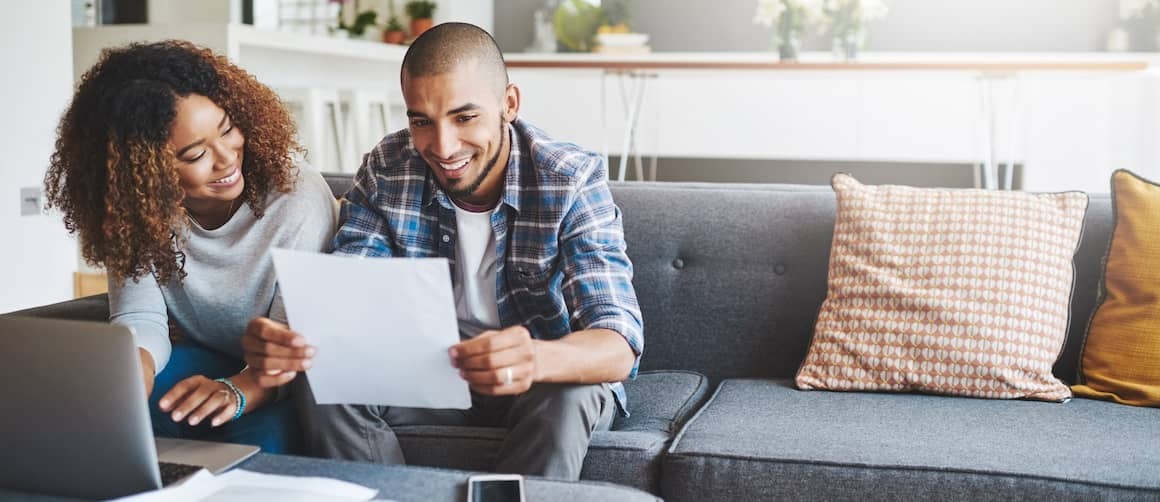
(409,483)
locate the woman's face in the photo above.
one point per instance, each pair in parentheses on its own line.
(209,156)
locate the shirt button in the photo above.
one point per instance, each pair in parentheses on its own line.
(678,263)
(446,238)
(779,269)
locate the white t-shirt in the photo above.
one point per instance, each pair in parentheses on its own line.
(475,279)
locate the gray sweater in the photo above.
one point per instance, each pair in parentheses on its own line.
(230,276)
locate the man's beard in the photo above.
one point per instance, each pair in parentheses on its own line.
(470,189)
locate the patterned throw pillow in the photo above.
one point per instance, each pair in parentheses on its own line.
(960,292)
(1121,355)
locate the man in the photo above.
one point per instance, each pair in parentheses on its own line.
(541,281)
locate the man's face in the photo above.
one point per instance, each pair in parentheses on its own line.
(458,122)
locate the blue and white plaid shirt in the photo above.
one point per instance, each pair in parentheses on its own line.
(561,264)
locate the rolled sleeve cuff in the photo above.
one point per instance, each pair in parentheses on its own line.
(629,330)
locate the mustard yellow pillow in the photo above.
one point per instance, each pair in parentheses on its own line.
(1121,356)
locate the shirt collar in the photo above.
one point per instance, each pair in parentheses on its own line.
(512,188)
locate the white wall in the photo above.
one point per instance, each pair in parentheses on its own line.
(37,257)
(478,12)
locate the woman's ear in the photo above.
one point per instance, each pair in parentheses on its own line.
(511,103)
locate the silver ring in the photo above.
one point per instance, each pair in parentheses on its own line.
(507,376)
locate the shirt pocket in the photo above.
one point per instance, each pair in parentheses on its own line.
(531,279)
(532,293)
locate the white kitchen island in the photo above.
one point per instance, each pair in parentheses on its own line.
(1069,119)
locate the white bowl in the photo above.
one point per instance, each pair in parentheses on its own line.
(622,39)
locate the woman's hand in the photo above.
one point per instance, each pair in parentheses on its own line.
(196,398)
(274,353)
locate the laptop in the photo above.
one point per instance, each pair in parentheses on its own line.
(75,420)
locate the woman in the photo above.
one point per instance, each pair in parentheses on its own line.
(175,168)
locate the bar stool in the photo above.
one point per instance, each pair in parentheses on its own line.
(323,127)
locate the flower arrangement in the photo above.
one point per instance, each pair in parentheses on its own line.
(846,21)
(790,17)
(1147,11)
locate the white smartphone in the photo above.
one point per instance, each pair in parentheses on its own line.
(495,488)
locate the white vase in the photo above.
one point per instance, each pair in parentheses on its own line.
(1118,40)
(788,49)
(846,46)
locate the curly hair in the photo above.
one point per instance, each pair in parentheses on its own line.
(113,174)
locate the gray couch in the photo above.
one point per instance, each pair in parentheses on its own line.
(730,279)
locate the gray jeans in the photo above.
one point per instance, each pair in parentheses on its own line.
(549,427)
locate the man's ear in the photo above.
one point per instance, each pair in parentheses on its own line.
(511,103)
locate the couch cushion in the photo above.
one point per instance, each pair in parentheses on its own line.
(339,183)
(764,440)
(629,454)
(729,277)
(963,292)
(1121,354)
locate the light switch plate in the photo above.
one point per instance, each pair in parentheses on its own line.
(31,201)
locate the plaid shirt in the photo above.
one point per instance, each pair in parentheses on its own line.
(561,264)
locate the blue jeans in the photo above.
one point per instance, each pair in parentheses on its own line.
(274,427)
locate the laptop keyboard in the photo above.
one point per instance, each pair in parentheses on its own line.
(172,473)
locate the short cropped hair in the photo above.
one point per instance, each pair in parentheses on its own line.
(448,46)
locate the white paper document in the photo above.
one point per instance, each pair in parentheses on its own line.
(246,486)
(382,327)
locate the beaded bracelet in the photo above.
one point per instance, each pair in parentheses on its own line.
(241,398)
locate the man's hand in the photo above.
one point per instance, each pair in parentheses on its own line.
(147,370)
(497,363)
(274,353)
(196,398)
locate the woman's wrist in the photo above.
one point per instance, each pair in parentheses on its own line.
(239,397)
(256,395)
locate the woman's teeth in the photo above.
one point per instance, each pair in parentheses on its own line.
(228,179)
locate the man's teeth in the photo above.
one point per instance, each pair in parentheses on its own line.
(457,165)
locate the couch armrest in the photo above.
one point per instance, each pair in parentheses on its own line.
(89,308)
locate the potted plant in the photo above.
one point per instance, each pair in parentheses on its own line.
(363,22)
(616,17)
(393,33)
(420,12)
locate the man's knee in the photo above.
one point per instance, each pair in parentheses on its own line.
(557,404)
(327,422)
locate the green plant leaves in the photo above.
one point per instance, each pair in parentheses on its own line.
(576,22)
